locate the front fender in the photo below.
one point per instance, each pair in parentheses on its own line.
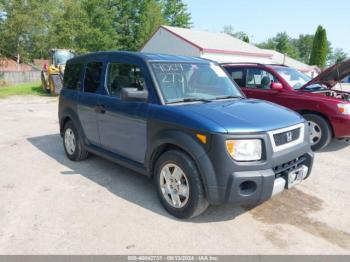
(189,144)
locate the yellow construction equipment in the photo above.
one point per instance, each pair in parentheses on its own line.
(52,74)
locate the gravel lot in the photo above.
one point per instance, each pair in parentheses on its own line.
(50,205)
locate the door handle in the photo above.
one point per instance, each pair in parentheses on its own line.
(100,109)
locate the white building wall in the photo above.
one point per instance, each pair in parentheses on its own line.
(167,43)
(227,58)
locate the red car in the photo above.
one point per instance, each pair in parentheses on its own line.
(320,100)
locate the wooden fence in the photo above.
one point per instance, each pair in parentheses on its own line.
(19,77)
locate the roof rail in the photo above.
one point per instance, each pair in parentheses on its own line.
(252,63)
(278,65)
(242,63)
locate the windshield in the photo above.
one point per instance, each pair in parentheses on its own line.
(295,78)
(62,56)
(181,82)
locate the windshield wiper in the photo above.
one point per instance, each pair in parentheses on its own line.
(228,97)
(191,99)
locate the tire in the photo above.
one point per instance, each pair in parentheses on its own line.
(55,84)
(76,152)
(324,137)
(177,162)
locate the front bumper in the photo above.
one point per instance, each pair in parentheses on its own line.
(341,126)
(250,183)
(254,187)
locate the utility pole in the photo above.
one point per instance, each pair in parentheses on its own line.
(18,62)
(18,43)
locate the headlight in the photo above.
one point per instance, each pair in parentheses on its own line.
(344,109)
(244,150)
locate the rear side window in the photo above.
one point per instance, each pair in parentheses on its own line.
(124,75)
(238,76)
(72,75)
(93,77)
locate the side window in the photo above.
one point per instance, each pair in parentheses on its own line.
(93,77)
(238,76)
(123,75)
(72,75)
(258,78)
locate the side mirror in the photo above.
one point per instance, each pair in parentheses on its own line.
(130,93)
(276,86)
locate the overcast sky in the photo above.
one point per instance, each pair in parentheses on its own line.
(263,19)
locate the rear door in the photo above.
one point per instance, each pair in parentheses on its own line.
(123,124)
(89,107)
(238,75)
(71,87)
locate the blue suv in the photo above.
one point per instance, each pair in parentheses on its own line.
(183,122)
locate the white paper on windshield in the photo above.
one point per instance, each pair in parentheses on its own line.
(217,69)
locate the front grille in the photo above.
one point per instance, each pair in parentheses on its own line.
(280,170)
(286,137)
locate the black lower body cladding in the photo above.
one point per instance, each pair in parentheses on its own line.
(249,183)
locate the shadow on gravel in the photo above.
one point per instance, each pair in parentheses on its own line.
(336,145)
(292,207)
(123,182)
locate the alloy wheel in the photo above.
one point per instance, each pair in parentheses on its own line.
(174,185)
(69,141)
(315,133)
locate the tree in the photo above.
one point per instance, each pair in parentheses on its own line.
(87,25)
(69,24)
(100,25)
(281,43)
(3,16)
(298,48)
(150,19)
(284,46)
(269,44)
(125,20)
(135,22)
(304,45)
(228,29)
(24,28)
(28,29)
(246,39)
(338,56)
(319,48)
(176,14)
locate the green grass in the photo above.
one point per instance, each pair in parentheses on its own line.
(22,89)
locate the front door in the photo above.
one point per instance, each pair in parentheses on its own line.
(123,124)
(258,85)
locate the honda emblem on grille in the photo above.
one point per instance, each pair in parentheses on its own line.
(289,136)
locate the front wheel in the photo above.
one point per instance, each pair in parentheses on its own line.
(179,186)
(320,131)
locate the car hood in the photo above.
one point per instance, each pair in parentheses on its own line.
(332,75)
(246,115)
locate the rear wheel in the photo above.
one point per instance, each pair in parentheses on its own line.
(72,143)
(179,185)
(320,131)
(55,82)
